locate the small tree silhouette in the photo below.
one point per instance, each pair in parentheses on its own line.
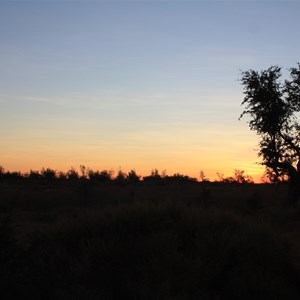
(48,174)
(83,171)
(72,174)
(121,176)
(103,175)
(133,177)
(203,177)
(2,172)
(241,177)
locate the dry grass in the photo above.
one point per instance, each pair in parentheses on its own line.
(147,241)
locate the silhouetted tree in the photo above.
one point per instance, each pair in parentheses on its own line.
(133,177)
(273,106)
(121,176)
(177,177)
(241,177)
(62,175)
(15,175)
(103,175)
(153,177)
(203,177)
(2,172)
(48,174)
(34,174)
(83,171)
(72,174)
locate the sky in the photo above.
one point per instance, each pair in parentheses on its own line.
(136,84)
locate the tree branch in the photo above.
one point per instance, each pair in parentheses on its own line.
(283,165)
(288,141)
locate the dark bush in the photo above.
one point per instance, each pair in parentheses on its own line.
(103,176)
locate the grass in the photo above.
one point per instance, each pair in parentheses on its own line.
(146,241)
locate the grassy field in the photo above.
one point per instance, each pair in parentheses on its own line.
(84,240)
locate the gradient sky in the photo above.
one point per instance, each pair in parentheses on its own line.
(136,84)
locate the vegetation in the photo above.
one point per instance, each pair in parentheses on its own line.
(160,238)
(93,235)
(273,106)
(48,174)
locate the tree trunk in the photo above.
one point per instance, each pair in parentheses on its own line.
(294,189)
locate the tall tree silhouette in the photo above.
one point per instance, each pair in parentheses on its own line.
(273,106)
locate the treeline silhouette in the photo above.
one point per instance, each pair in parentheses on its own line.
(85,173)
(81,238)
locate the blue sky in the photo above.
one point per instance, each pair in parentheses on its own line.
(135,84)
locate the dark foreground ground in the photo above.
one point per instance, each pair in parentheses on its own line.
(84,240)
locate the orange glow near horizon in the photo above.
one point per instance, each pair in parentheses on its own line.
(187,164)
(174,150)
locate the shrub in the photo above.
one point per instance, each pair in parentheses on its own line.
(72,174)
(133,177)
(2,172)
(121,177)
(48,174)
(102,176)
(34,174)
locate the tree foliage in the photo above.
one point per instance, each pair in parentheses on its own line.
(273,105)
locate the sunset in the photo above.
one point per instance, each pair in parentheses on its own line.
(150,149)
(134,84)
